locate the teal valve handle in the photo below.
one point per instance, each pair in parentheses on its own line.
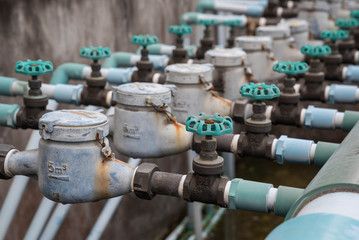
(334,35)
(316,51)
(33,68)
(180,30)
(214,125)
(232,23)
(207,22)
(95,53)
(347,23)
(144,40)
(290,68)
(259,91)
(354,13)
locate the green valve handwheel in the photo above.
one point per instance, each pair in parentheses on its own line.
(334,35)
(95,53)
(144,40)
(214,125)
(259,91)
(316,51)
(232,23)
(290,68)
(33,68)
(207,22)
(346,23)
(354,13)
(180,29)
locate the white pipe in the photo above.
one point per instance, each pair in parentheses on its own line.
(197,218)
(271,198)
(55,221)
(39,220)
(18,185)
(178,230)
(108,211)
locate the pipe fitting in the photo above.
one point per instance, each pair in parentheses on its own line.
(4,151)
(255,144)
(212,192)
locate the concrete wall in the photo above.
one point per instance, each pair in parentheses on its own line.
(55,31)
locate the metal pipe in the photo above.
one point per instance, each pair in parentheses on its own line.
(166,183)
(166,49)
(108,211)
(18,185)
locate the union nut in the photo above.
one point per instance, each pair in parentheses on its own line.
(142,180)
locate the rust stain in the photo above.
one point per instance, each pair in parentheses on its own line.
(57,196)
(86,114)
(229,103)
(102,179)
(121,162)
(179,128)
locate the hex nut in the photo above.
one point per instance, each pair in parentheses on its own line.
(142,180)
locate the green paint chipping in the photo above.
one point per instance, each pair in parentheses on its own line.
(323,152)
(350,119)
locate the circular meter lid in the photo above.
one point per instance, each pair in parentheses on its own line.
(136,94)
(254,42)
(226,57)
(73,125)
(314,6)
(297,25)
(184,73)
(276,32)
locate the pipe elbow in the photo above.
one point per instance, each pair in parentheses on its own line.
(21,163)
(67,71)
(8,114)
(117,59)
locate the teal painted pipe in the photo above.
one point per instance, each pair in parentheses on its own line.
(261,197)
(350,119)
(118,59)
(67,71)
(166,49)
(339,174)
(8,114)
(190,18)
(205,5)
(5,85)
(125,59)
(317,226)
(323,151)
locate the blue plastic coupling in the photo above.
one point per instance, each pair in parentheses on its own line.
(68,93)
(120,76)
(339,93)
(351,73)
(293,150)
(323,118)
(8,114)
